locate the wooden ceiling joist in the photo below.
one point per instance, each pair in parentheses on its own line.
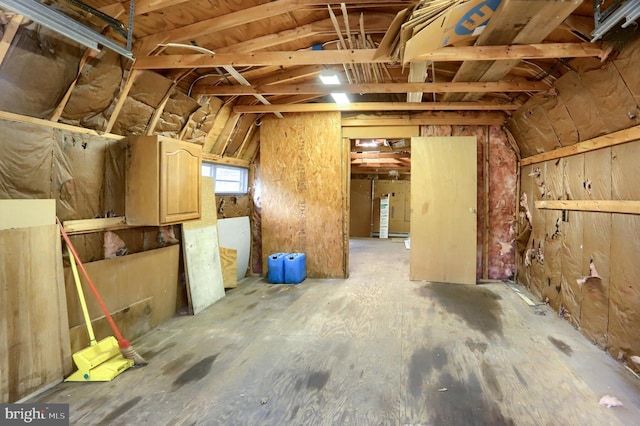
(434,118)
(319,89)
(333,57)
(378,106)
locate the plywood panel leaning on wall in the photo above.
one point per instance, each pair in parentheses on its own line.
(360,211)
(34,342)
(304,167)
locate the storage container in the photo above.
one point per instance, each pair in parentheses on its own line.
(295,268)
(275,266)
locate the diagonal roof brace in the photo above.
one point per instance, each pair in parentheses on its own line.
(63,24)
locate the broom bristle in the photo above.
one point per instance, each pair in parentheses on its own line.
(131,353)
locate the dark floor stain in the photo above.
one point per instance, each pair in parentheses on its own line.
(475,305)
(250,292)
(119,411)
(361,374)
(464,403)
(177,363)
(318,380)
(476,346)
(562,346)
(422,362)
(491,380)
(351,367)
(299,384)
(196,372)
(251,306)
(520,376)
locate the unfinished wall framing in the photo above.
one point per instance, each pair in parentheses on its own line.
(304,170)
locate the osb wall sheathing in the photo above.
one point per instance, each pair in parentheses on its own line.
(584,264)
(255,191)
(590,100)
(304,167)
(360,213)
(38,68)
(500,259)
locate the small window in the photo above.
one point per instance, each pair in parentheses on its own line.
(228,179)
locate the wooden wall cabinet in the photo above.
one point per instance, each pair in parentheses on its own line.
(164,177)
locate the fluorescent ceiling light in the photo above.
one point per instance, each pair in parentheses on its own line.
(329,78)
(340,98)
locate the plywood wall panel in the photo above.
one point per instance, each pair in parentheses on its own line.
(303,174)
(33,329)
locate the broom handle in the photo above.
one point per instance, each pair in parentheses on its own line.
(83,303)
(114,327)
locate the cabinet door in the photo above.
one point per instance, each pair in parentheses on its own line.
(180,181)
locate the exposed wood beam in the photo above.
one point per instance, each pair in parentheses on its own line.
(378,106)
(54,125)
(333,57)
(375,23)
(219,23)
(615,138)
(122,97)
(57,113)
(320,89)
(361,155)
(385,132)
(435,118)
(155,118)
(85,226)
(213,158)
(608,206)
(10,31)
(146,6)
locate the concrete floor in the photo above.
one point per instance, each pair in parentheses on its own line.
(376,349)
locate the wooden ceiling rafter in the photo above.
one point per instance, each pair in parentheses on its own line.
(336,57)
(377,106)
(319,89)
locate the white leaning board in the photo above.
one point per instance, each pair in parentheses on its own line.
(235,233)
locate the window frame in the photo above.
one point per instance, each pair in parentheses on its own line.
(212,169)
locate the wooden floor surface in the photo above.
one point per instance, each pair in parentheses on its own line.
(375,349)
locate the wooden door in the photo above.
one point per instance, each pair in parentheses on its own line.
(443,209)
(180,181)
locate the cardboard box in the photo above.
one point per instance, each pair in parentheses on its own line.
(457,25)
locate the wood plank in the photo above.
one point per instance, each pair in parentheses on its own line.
(27,213)
(54,125)
(153,122)
(377,106)
(85,226)
(229,261)
(320,89)
(10,31)
(33,323)
(427,118)
(201,254)
(612,139)
(335,57)
(610,206)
